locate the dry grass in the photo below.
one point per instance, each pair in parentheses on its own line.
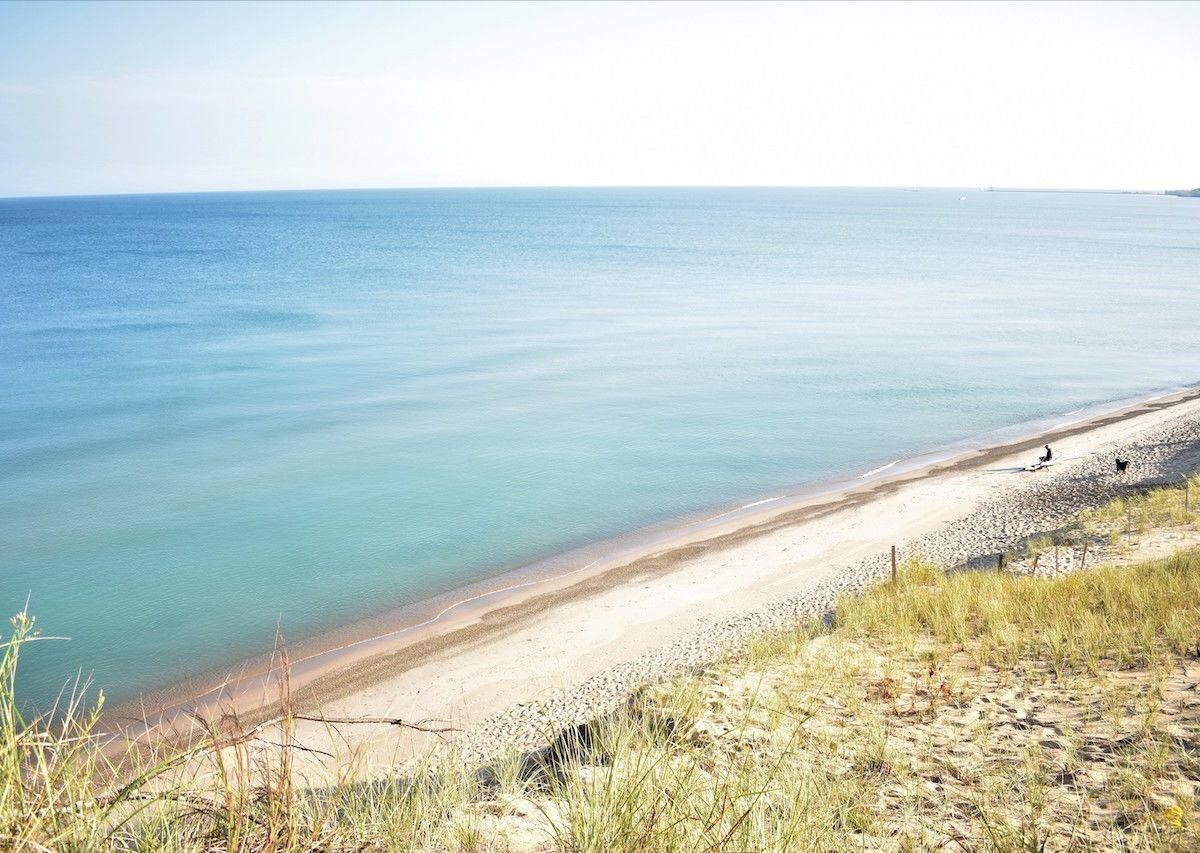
(980,710)
(977,710)
(236,790)
(1143,615)
(1123,520)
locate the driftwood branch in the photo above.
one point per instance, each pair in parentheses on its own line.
(217,743)
(296,746)
(420,726)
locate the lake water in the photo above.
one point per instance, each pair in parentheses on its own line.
(219,411)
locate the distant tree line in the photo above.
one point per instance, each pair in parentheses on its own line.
(1186,193)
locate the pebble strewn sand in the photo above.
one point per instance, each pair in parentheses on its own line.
(1026,504)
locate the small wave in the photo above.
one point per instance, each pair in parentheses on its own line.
(760,503)
(1073,412)
(739,509)
(878,470)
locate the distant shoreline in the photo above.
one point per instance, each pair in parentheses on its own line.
(1080,192)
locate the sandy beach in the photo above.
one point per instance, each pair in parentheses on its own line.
(507,671)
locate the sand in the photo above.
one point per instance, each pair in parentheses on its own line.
(574,648)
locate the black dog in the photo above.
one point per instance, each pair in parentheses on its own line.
(1122,465)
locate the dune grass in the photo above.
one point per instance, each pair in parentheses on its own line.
(1124,519)
(1142,615)
(977,709)
(62,790)
(847,739)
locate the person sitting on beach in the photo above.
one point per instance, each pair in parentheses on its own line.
(1046,458)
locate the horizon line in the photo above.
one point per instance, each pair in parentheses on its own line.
(470,187)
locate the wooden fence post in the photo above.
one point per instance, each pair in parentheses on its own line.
(1000,562)
(1083,558)
(1036,557)
(893,564)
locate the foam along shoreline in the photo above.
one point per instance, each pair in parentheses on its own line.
(355,667)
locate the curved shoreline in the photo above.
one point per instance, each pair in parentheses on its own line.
(973,513)
(322,673)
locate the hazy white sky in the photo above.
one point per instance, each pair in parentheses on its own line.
(106,97)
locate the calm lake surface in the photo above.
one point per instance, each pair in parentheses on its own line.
(219,411)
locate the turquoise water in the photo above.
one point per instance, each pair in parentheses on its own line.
(217,411)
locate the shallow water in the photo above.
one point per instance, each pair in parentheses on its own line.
(219,411)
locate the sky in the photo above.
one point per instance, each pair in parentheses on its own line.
(145,97)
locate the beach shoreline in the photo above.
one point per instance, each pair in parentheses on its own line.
(354,674)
